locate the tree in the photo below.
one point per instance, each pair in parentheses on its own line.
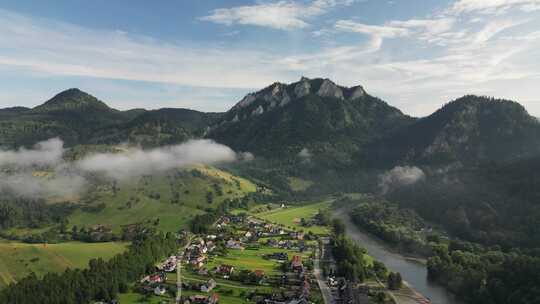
(338,227)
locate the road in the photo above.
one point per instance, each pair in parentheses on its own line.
(179,259)
(325,290)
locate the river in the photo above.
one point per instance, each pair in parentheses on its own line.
(414,273)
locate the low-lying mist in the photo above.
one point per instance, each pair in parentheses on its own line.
(42,172)
(400,176)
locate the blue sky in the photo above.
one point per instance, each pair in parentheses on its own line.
(206,55)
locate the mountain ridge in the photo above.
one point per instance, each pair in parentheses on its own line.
(341,124)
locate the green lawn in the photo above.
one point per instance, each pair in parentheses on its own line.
(291,215)
(18,259)
(250,259)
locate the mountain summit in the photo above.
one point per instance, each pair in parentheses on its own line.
(72,100)
(280,94)
(330,123)
(315,114)
(469,129)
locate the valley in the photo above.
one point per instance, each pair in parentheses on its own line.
(306,173)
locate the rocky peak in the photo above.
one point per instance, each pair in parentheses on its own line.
(356,92)
(330,89)
(302,88)
(280,94)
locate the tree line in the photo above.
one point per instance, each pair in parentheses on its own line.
(483,276)
(101,281)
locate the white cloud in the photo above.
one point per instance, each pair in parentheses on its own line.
(376,33)
(44,153)
(281,15)
(400,176)
(415,64)
(304,153)
(491,6)
(62,49)
(136,162)
(67,179)
(375,30)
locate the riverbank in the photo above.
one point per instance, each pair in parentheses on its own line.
(413,269)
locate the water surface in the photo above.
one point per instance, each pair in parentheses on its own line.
(413,272)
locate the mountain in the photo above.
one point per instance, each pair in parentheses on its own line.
(80,118)
(314,115)
(159,127)
(74,101)
(312,118)
(470,129)
(72,115)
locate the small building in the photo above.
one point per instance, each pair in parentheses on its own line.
(159,290)
(208,286)
(153,279)
(296,263)
(232,244)
(225,270)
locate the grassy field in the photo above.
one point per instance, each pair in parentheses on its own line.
(298,184)
(252,259)
(291,216)
(135,202)
(18,259)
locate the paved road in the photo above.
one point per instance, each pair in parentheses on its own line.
(325,290)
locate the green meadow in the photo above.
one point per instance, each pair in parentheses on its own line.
(17,260)
(299,184)
(252,259)
(291,215)
(136,201)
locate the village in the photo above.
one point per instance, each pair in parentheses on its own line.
(246,259)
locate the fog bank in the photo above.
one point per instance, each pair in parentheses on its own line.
(60,178)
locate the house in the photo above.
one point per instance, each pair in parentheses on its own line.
(159,290)
(198,299)
(168,265)
(259,275)
(225,270)
(296,263)
(232,244)
(248,234)
(203,271)
(198,261)
(153,279)
(208,286)
(210,246)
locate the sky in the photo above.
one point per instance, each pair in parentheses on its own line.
(206,55)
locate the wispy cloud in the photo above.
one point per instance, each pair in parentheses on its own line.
(281,15)
(416,63)
(67,50)
(492,6)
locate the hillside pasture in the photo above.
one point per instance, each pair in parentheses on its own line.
(170,200)
(17,260)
